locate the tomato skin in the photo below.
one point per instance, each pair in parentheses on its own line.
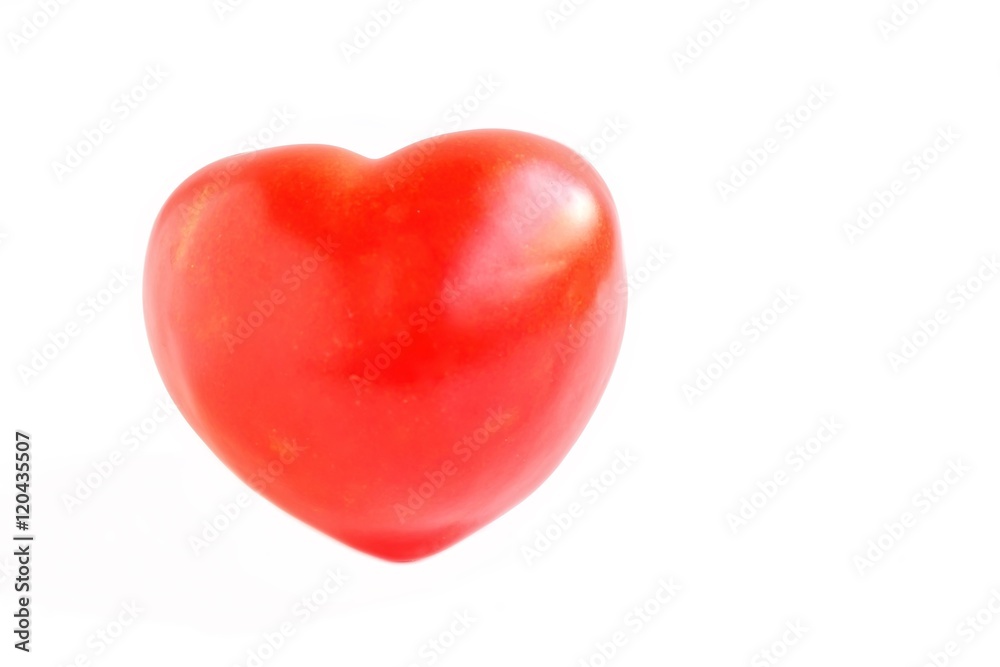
(395,351)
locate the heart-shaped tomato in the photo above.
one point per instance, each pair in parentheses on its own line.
(396,351)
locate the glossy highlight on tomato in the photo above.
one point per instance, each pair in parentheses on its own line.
(396,350)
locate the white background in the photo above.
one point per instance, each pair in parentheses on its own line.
(683,128)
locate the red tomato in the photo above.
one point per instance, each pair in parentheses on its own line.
(395,351)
